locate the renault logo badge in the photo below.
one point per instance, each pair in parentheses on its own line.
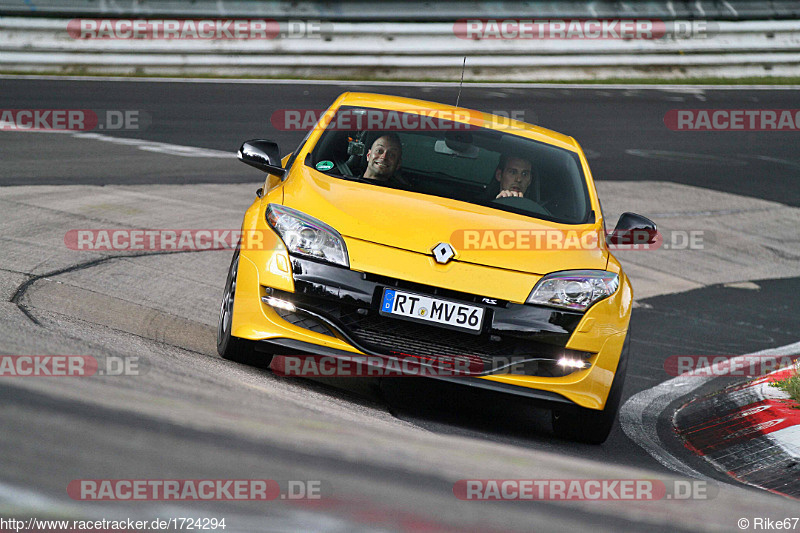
(443,253)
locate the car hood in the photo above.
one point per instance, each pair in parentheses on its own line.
(416,223)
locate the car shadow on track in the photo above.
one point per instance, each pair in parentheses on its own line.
(458,409)
(448,408)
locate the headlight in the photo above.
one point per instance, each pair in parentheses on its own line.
(574,289)
(305,235)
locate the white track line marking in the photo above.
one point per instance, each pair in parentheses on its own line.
(141,144)
(162,148)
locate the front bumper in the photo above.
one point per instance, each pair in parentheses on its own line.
(517,349)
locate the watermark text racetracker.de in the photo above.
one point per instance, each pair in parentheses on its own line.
(583,489)
(402,365)
(75,120)
(565,240)
(733,119)
(751,365)
(166,240)
(413,119)
(70,366)
(195,489)
(589,29)
(210,29)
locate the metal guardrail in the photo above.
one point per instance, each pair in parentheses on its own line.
(410,51)
(400,10)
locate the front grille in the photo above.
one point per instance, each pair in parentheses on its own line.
(401,338)
(398,335)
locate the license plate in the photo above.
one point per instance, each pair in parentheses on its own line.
(423,308)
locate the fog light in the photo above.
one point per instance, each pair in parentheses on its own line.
(571,363)
(276,302)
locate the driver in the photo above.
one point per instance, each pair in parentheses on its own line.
(514,176)
(383,158)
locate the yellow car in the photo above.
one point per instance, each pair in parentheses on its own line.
(402,229)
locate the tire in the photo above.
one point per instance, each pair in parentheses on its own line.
(590,425)
(228,346)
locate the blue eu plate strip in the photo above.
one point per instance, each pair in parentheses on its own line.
(388,301)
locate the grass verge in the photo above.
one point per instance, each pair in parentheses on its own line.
(790,385)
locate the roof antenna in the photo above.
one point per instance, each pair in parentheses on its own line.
(462,80)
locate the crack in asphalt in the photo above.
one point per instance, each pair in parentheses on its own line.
(33,278)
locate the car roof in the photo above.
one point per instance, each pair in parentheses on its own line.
(459,114)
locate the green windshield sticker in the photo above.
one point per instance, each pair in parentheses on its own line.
(323,166)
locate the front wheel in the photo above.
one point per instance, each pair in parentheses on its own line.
(228,346)
(590,425)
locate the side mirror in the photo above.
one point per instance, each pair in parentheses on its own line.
(633,229)
(263,155)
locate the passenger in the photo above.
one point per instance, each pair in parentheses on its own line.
(383,158)
(514,176)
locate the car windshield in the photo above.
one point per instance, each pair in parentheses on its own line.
(488,167)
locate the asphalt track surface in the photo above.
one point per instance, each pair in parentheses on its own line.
(612,126)
(387,453)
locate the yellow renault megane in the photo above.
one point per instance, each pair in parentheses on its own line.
(403,229)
